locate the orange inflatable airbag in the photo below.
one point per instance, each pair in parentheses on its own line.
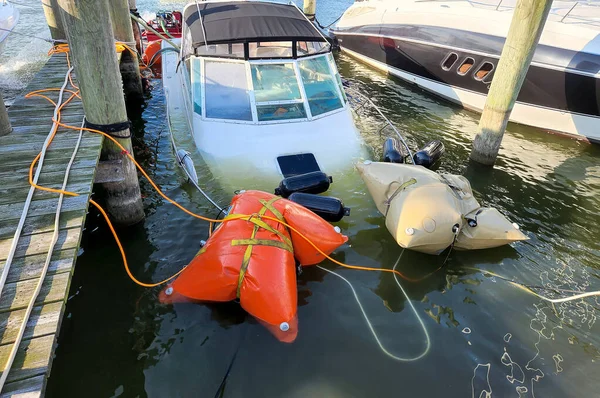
(152,48)
(255,261)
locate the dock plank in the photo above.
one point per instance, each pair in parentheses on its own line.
(28,388)
(31,119)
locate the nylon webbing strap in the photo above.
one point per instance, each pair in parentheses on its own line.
(400,189)
(110,129)
(262,242)
(397,191)
(258,223)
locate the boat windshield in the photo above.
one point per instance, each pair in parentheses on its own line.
(265,91)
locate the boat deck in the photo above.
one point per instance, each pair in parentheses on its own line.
(31,121)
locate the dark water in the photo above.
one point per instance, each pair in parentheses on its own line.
(486,335)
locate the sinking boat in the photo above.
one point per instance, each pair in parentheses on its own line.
(452,48)
(260,91)
(9,16)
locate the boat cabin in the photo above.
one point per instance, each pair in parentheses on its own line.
(258,84)
(257,62)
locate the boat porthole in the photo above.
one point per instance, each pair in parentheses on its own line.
(483,73)
(449,61)
(465,66)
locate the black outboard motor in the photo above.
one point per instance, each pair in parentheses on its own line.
(394,151)
(430,154)
(328,208)
(313,182)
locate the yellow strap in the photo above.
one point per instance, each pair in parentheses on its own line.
(264,225)
(272,209)
(262,242)
(245,262)
(258,223)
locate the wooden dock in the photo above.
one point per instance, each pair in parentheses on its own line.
(31,120)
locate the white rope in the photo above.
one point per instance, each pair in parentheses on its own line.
(373,332)
(13,247)
(17,342)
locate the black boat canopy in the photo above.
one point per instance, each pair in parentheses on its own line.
(247,21)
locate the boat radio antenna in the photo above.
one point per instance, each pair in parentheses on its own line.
(202,24)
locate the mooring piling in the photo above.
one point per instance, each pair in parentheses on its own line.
(524,34)
(137,34)
(96,65)
(54,19)
(5,127)
(129,66)
(310,9)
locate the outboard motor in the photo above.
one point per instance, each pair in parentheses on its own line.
(313,182)
(393,151)
(430,154)
(328,208)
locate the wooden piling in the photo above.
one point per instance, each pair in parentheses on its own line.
(137,33)
(310,9)
(525,30)
(95,59)
(5,127)
(54,19)
(129,67)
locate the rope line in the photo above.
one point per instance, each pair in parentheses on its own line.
(370,325)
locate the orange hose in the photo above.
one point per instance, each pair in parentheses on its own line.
(57,121)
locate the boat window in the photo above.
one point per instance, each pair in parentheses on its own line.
(273,49)
(449,61)
(275,82)
(226,91)
(319,85)
(337,76)
(280,112)
(196,68)
(483,71)
(304,48)
(466,66)
(235,50)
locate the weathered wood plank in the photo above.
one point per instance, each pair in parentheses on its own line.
(86,157)
(43,223)
(43,321)
(19,192)
(32,358)
(15,188)
(31,149)
(16,295)
(40,243)
(28,388)
(30,267)
(40,138)
(42,207)
(44,123)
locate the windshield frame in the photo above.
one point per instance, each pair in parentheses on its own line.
(251,92)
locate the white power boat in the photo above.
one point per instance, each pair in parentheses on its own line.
(452,47)
(9,16)
(260,90)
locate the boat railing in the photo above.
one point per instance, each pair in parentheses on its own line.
(360,101)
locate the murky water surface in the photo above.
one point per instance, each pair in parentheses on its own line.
(486,336)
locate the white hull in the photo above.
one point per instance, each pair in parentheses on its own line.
(537,116)
(9,16)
